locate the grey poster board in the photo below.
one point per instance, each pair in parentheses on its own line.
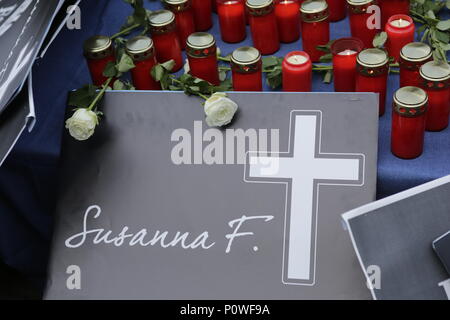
(396,234)
(255,228)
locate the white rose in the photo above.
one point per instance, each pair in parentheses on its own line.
(219,110)
(82,124)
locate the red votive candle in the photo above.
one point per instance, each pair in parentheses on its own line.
(400,30)
(392,7)
(297,72)
(436,82)
(98,51)
(412,57)
(372,68)
(202,14)
(165,38)
(338,9)
(232,20)
(141,50)
(263,24)
(408,122)
(214,5)
(202,55)
(344,52)
(360,25)
(288,20)
(315,27)
(184,18)
(246,69)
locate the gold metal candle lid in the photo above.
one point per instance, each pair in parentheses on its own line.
(435,71)
(416,52)
(314,10)
(372,62)
(161,21)
(410,101)
(246,59)
(259,7)
(140,48)
(359,6)
(97,47)
(177,5)
(200,45)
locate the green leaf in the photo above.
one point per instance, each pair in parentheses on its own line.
(328,76)
(110,70)
(168,65)
(380,39)
(119,85)
(328,57)
(268,62)
(125,63)
(82,98)
(443,25)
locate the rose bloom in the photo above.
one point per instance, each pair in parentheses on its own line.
(219,110)
(82,124)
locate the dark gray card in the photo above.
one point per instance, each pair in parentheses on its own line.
(159,206)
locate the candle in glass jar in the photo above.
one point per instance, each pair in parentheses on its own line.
(263,25)
(400,30)
(372,68)
(412,57)
(202,55)
(202,14)
(98,51)
(141,50)
(246,70)
(297,72)
(184,18)
(315,27)
(165,38)
(359,18)
(344,52)
(392,7)
(408,122)
(288,20)
(232,20)
(435,78)
(338,9)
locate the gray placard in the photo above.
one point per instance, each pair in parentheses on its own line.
(272,219)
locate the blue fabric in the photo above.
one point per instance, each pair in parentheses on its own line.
(28,178)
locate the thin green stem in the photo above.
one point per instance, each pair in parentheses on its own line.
(223,59)
(100,94)
(202,96)
(125,31)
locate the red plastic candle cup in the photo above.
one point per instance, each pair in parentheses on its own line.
(372,68)
(400,30)
(297,72)
(412,57)
(232,20)
(263,24)
(315,27)
(338,9)
(361,25)
(288,20)
(392,7)
(409,111)
(344,52)
(202,55)
(165,38)
(202,14)
(436,82)
(141,50)
(98,51)
(184,18)
(246,69)
(214,5)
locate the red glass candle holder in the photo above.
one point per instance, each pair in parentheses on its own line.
(232,20)
(214,5)
(315,27)
(400,30)
(408,122)
(344,52)
(297,72)
(436,82)
(98,51)
(202,55)
(372,68)
(263,24)
(141,50)
(412,57)
(202,14)
(392,7)
(288,20)
(165,38)
(360,25)
(246,68)
(338,9)
(184,18)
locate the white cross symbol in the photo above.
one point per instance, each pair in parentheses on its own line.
(303,168)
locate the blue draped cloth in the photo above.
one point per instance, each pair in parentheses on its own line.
(28,179)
